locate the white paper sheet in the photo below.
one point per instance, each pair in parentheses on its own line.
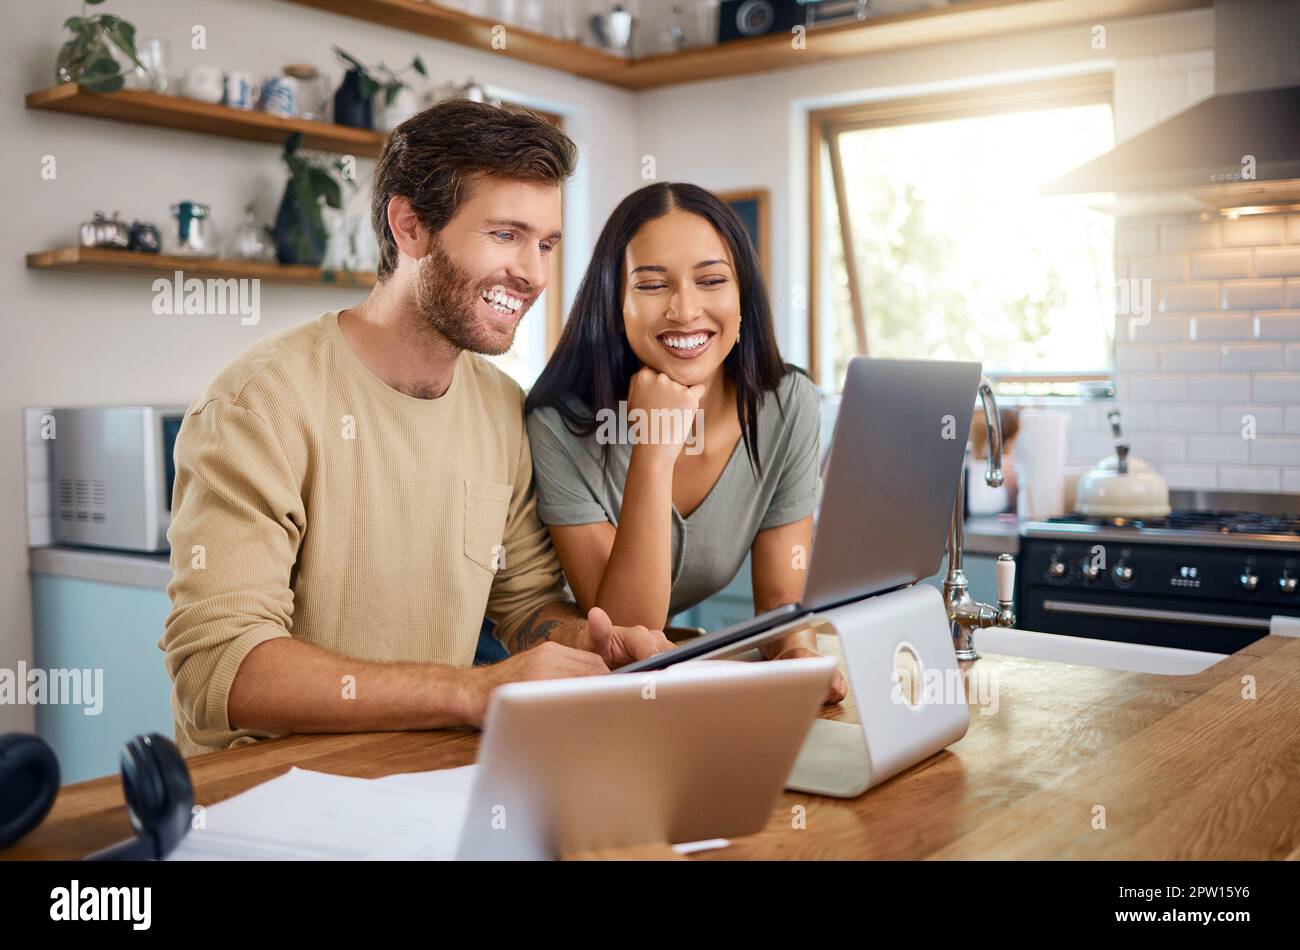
(306,816)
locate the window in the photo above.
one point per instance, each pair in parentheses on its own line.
(954,255)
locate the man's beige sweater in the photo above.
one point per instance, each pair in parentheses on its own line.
(312,500)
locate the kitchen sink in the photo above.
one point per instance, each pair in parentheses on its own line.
(1084,651)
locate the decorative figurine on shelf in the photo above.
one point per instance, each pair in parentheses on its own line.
(101,231)
(145,238)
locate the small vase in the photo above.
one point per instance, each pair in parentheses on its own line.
(350,107)
(299,239)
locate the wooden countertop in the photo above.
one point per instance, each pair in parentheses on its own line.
(1184,767)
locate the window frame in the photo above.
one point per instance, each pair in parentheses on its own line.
(825,126)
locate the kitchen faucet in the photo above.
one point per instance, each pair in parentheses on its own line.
(966,615)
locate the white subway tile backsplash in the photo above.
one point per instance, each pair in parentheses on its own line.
(1219,389)
(1262,420)
(1252,229)
(1214,264)
(1087,446)
(1210,384)
(1252,357)
(1136,358)
(1279,325)
(1166,267)
(1276,387)
(1277,262)
(1191,359)
(1158,446)
(1275,452)
(1189,237)
(1253,295)
(1291,424)
(1132,239)
(1144,388)
(1172,417)
(1190,476)
(1193,296)
(1159,328)
(1218,449)
(1232,478)
(1210,326)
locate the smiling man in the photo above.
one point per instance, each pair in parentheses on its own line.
(353,495)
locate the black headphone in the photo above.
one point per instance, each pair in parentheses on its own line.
(155,781)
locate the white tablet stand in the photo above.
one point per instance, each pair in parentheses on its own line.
(845,759)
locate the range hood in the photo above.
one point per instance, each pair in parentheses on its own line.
(1197,160)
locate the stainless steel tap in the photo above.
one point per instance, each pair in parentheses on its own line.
(966,615)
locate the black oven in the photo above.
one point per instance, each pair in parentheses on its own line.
(1213,597)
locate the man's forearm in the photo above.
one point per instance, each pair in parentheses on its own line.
(286,686)
(559,620)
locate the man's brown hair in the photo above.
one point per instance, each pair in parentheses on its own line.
(432,157)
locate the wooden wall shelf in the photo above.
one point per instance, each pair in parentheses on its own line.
(970,20)
(100,260)
(190,115)
(463,29)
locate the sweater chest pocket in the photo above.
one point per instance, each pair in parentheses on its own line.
(487,505)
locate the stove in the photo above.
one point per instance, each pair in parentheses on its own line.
(1207,577)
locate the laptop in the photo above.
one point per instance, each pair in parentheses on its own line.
(583,764)
(887,495)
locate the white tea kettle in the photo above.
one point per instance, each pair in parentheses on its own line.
(1122,486)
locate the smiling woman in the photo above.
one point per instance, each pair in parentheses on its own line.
(672,322)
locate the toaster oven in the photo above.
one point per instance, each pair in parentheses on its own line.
(112,471)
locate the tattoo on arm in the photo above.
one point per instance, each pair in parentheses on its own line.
(534,631)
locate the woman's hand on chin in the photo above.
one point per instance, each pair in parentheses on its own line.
(668,409)
(839,688)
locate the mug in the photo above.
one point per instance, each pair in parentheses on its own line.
(279,97)
(203,83)
(241,90)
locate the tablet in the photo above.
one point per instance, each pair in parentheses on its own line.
(700,751)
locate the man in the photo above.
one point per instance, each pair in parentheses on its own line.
(354,494)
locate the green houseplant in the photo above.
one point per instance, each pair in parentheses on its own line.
(87,59)
(300,232)
(353,103)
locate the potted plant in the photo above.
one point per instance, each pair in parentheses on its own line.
(87,59)
(300,232)
(361,86)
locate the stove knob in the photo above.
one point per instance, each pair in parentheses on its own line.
(1248,580)
(1287,583)
(1122,573)
(1056,568)
(1091,569)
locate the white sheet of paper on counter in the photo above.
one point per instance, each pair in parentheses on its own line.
(315,816)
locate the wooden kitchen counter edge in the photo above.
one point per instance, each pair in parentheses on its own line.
(1075,762)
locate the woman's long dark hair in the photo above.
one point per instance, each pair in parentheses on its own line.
(594,361)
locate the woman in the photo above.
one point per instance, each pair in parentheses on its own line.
(672,316)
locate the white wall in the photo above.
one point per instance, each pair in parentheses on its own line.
(78,339)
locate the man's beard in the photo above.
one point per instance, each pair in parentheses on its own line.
(447,298)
